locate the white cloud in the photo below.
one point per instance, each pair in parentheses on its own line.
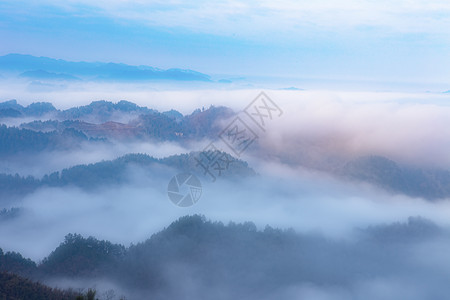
(234,17)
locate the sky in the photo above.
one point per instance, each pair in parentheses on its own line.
(402,41)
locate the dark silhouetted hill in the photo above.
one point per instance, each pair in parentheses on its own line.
(238,259)
(115,173)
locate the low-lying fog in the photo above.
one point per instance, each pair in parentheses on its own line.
(316,126)
(131,213)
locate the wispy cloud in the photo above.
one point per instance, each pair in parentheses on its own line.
(379,40)
(234,17)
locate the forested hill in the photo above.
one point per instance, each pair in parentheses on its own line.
(115,173)
(124,121)
(235,259)
(14,287)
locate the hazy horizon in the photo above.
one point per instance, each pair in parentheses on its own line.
(265,149)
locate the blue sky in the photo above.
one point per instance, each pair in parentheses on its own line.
(400,40)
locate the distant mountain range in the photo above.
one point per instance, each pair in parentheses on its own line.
(44,68)
(99,120)
(100,111)
(11,109)
(97,123)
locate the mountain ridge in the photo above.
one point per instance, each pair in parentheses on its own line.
(236,257)
(114,173)
(42,67)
